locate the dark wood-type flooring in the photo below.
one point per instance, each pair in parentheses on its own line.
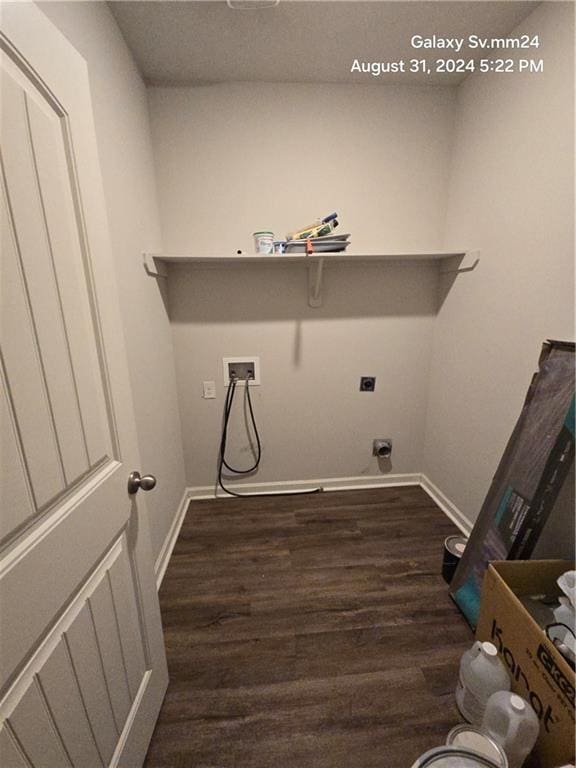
(311,631)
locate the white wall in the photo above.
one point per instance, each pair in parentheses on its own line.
(511,195)
(314,421)
(233,159)
(122,128)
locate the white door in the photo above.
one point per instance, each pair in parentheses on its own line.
(82,664)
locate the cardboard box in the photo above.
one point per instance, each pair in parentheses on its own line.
(538,671)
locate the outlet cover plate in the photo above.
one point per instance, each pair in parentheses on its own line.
(228,362)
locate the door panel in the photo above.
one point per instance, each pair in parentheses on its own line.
(28,399)
(88,668)
(95,657)
(128,624)
(56,385)
(82,663)
(64,231)
(10,752)
(29,225)
(64,701)
(18,501)
(48,566)
(31,725)
(107,634)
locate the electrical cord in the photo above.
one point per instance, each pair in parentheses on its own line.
(222,463)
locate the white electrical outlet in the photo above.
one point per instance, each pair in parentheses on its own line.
(241,366)
(209,388)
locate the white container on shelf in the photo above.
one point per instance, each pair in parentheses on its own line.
(513,724)
(481,674)
(264,241)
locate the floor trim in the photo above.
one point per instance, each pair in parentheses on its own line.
(328,484)
(448,507)
(164,556)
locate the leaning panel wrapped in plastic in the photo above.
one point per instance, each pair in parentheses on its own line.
(529,477)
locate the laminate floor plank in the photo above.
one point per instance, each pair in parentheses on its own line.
(308,632)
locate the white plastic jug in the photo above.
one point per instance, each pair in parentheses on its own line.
(513,724)
(481,674)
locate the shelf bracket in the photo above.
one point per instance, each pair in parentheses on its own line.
(315,274)
(153,266)
(465,263)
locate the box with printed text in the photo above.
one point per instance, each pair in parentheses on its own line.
(538,671)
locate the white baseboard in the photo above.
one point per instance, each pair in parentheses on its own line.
(449,508)
(327,484)
(164,556)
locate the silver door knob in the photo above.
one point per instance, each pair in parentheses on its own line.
(135,482)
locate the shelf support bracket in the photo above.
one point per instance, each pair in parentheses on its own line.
(153,266)
(315,274)
(465,263)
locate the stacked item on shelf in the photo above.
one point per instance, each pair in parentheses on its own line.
(317,238)
(326,244)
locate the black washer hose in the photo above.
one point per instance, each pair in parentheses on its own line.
(223,440)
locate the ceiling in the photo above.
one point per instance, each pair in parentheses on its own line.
(204,41)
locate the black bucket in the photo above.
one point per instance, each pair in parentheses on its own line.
(454,547)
